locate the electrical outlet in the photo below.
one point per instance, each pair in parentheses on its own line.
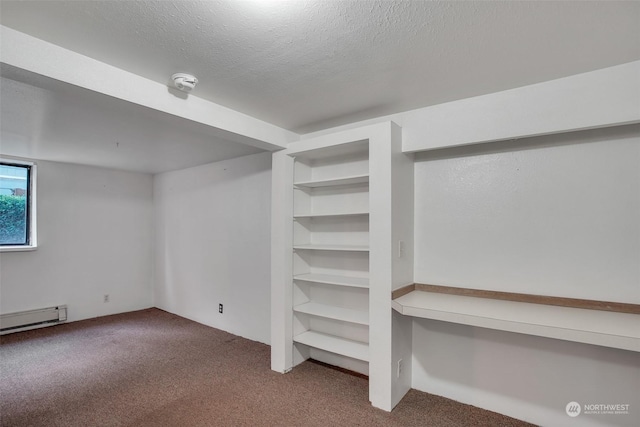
(105,298)
(220,308)
(400,368)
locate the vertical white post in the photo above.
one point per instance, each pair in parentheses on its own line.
(391,221)
(381,250)
(402,220)
(281,262)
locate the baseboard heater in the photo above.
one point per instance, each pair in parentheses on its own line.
(32,319)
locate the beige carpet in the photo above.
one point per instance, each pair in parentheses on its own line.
(152,368)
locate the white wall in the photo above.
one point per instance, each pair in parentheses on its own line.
(556,216)
(559,215)
(212,226)
(526,377)
(94,238)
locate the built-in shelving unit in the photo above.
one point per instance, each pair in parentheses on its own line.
(331,235)
(334,230)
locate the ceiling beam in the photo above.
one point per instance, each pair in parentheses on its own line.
(34,55)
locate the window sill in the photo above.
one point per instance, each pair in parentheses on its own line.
(20,248)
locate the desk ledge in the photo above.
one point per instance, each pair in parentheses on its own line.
(614,325)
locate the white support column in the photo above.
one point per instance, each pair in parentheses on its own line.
(381,241)
(391,222)
(402,220)
(281,262)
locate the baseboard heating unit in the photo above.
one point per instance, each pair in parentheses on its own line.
(32,319)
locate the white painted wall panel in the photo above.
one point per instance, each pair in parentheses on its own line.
(600,98)
(529,378)
(557,217)
(94,238)
(212,233)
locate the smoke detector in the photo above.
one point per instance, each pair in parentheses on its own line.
(184,82)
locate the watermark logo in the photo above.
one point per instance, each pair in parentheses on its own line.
(573,409)
(606,409)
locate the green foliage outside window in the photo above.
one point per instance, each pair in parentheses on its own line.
(13,224)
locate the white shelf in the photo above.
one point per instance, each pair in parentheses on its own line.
(355,282)
(605,328)
(331,215)
(348,180)
(331,312)
(333,344)
(328,247)
(331,151)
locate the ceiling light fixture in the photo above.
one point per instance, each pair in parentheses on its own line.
(184,82)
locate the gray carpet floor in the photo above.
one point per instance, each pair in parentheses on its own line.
(152,368)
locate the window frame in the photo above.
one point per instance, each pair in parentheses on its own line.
(32,235)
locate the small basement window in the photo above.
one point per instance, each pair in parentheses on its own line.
(17,205)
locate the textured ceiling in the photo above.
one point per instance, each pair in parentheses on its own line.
(49,120)
(306,65)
